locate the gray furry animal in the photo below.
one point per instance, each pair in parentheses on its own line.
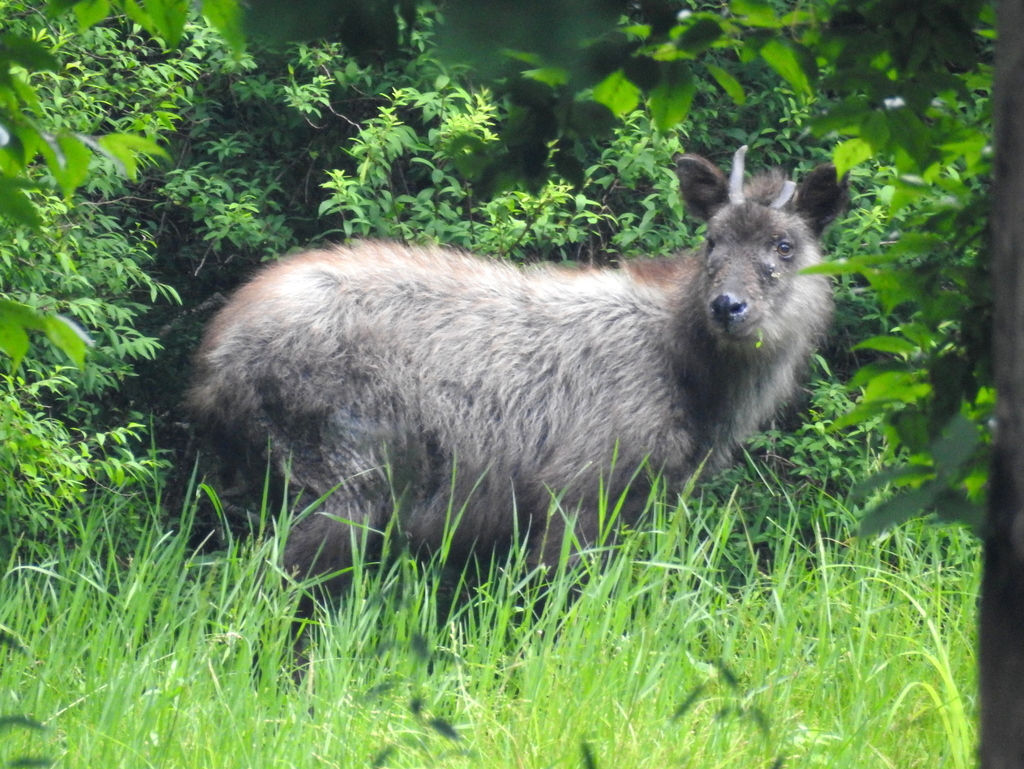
(445,386)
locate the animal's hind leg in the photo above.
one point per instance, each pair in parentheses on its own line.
(321,546)
(568,531)
(321,549)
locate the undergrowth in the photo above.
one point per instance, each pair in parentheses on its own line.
(683,645)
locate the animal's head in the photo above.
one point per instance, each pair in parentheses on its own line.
(760,235)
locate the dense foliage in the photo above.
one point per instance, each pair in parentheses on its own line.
(685,650)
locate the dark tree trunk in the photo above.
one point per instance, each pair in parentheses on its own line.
(1002,591)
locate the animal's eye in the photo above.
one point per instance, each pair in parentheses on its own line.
(784,249)
(711,244)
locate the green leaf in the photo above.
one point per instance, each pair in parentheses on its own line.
(69,338)
(874,129)
(226,17)
(899,508)
(919,334)
(15,205)
(896,386)
(865,265)
(67,157)
(617,93)
(909,427)
(28,53)
(553,76)
(866,373)
(900,476)
(917,243)
(786,59)
(699,35)
(168,19)
(123,149)
(643,31)
(754,13)
(729,84)
(845,117)
(57,7)
(891,288)
(838,267)
(850,153)
(91,12)
(913,139)
(891,344)
(13,337)
(469,154)
(955,446)
(953,506)
(670,101)
(136,13)
(863,413)
(17,319)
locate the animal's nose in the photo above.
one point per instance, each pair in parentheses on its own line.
(728,309)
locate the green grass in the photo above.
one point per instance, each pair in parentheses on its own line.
(716,638)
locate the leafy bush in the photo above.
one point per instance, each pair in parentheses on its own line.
(66,431)
(47,469)
(407,186)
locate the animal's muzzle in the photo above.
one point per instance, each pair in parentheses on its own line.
(728,310)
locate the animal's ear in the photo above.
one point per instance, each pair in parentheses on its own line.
(704,188)
(822,197)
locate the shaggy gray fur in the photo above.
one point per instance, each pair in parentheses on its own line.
(441,384)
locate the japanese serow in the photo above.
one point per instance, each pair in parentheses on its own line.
(429,386)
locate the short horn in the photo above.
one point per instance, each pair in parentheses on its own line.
(788,188)
(736,177)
